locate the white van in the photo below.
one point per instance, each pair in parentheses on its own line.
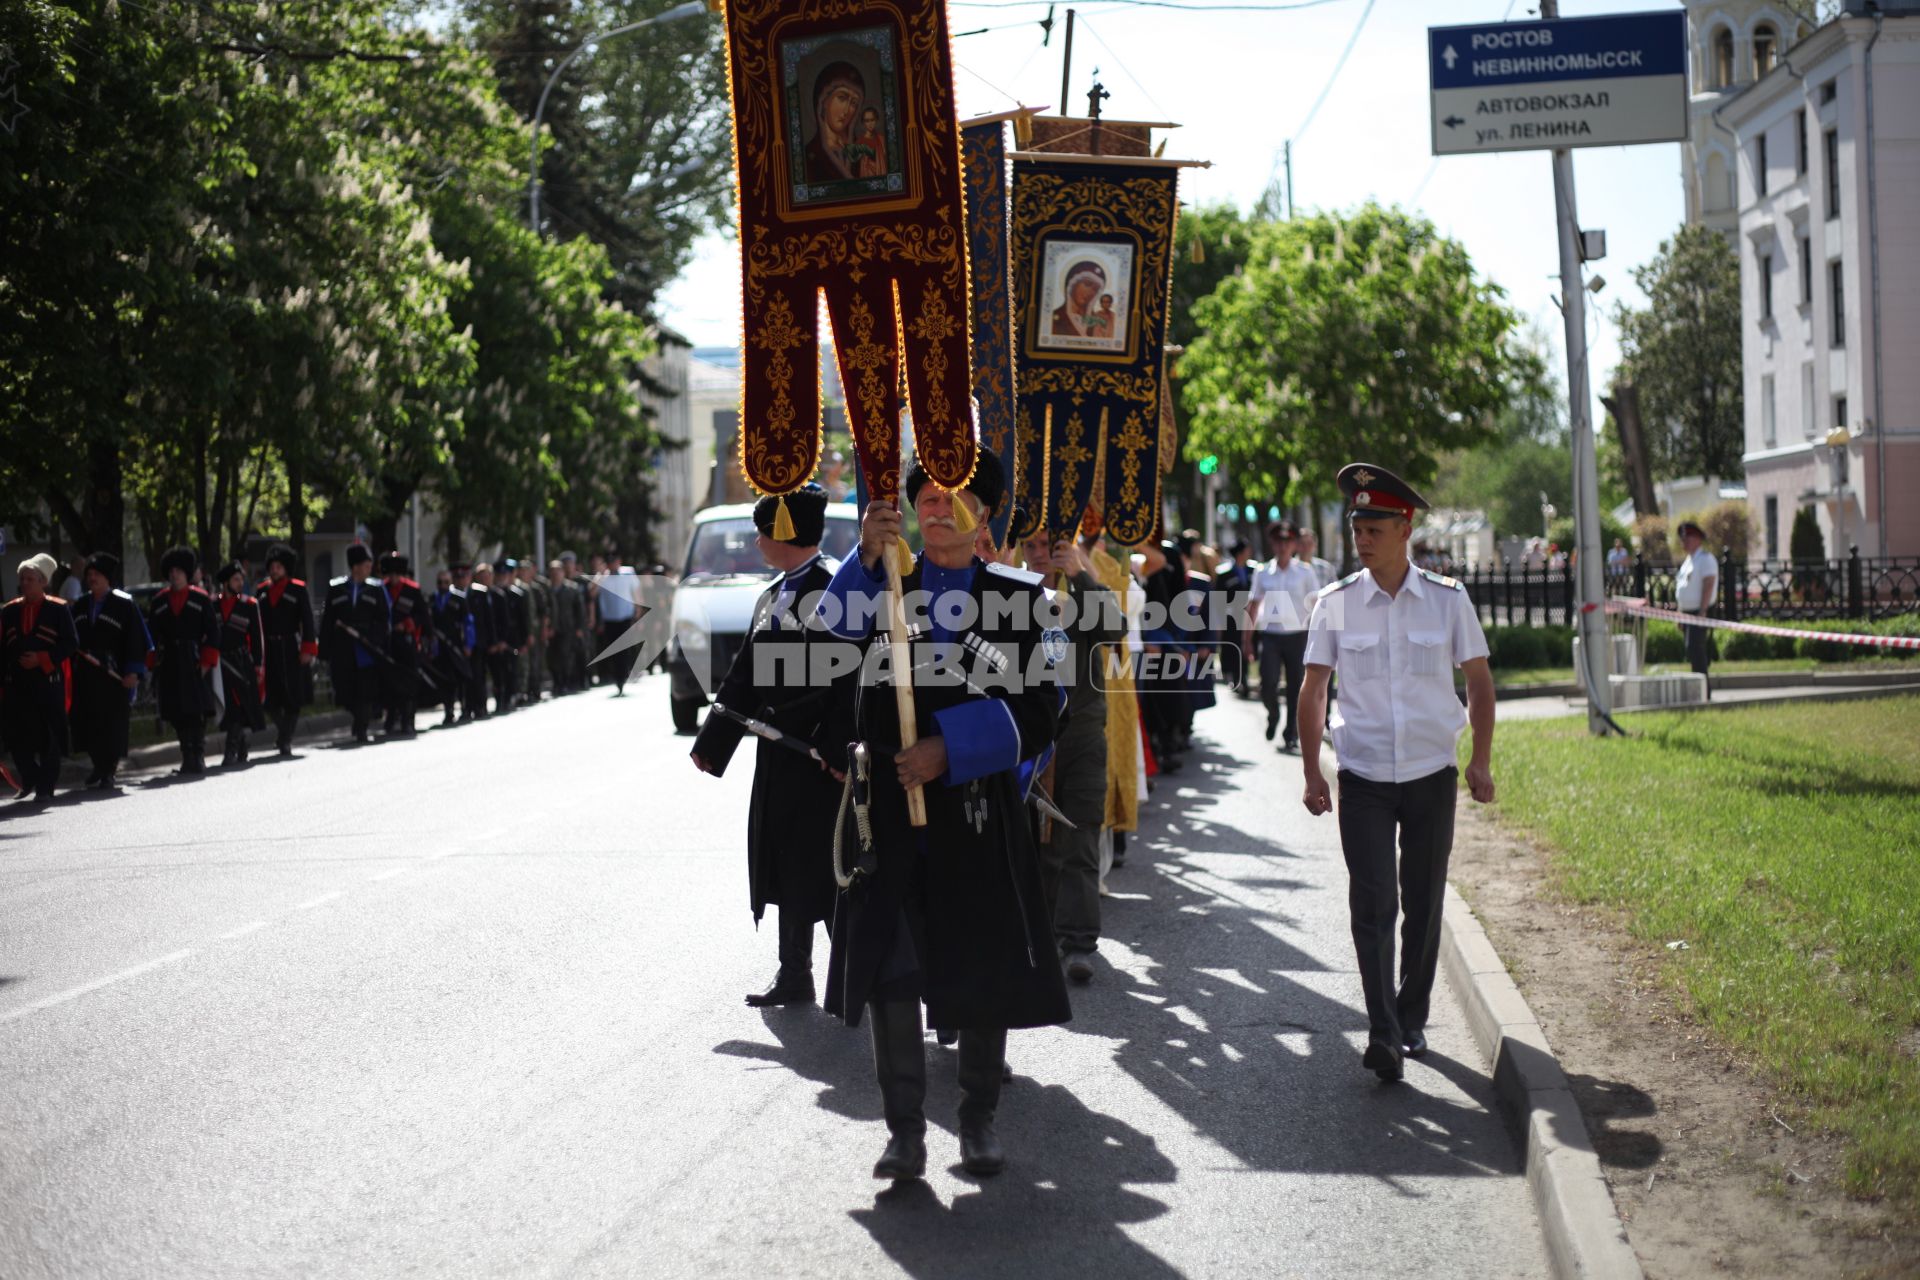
(713,606)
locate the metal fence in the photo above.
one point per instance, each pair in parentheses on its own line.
(1864,587)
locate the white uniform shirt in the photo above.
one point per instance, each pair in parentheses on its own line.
(1398,717)
(1283,598)
(1689,583)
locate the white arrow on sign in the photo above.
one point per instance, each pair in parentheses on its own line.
(1449,56)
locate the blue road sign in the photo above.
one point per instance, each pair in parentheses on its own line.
(1569,82)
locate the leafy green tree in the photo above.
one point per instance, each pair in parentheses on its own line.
(1683,352)
(1361,336)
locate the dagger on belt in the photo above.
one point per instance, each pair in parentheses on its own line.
(761,729)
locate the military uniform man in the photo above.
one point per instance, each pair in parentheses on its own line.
(569,620)
(110,655)
(286,620)
(790,820)
(471,585)
(354,638)
(186,645)
(509,633)
(243,668)
(452,644)
(36,642)
(539,628)
(952,913)
(1394,634)
(409,644)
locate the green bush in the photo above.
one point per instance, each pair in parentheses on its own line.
(1664,642)
(1804,542)
(1561,532)
(1740,646)
(1515,648)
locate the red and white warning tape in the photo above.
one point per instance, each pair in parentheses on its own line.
(1641,609)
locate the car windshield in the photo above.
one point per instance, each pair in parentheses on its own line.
(725,548)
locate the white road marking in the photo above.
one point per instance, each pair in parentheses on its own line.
(61,997)
(242,931)
(321,901)
(389,874)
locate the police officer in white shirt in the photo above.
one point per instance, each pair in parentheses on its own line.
(1281,599)
(1395,633)
(1693,590)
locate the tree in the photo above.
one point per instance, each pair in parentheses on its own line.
(1213,240)
(1683,353)
(1363,336)
(1530,454)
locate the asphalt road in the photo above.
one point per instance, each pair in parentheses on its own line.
(470,1005)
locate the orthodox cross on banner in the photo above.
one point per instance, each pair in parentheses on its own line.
(1095,96)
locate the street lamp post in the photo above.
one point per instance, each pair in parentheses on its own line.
(687,10)
(679,11)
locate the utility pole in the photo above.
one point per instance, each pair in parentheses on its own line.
(1594,641)
(1066,66)
(1286,151)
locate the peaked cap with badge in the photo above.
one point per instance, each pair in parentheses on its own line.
(1375,493)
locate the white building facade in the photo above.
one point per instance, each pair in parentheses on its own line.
(1827,225)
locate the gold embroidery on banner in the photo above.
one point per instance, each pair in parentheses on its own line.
(777,334)
(1070,456)
(871,361)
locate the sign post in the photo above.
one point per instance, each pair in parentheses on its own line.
(1558,84)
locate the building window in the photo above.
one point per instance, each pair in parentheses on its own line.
(1806,400)
(1760,164)
(1801,160)
(1829,91)
(1806,269)
(1766,287)
(1765,41)
(1768,426)
(1773,528)
(1837,286)
(1840,412)
(1830,154)
(1723,59)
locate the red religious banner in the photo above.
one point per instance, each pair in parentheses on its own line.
(848,159)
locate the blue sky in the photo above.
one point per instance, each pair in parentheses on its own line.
(1242,82)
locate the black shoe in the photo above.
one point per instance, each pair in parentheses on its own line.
(1383,1062)
(103,782)
(1080,967)
(1273,723)
(946,1038)
(1290,746)
(904,1159)
(783,991)
(980,1151)
(286,752)
(93,780)
(1415,1043)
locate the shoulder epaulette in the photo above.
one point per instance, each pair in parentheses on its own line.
(123,595)
(1025,576)
(1442,580)
(1347,581)
(341,581)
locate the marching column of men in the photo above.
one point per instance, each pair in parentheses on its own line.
(244,655)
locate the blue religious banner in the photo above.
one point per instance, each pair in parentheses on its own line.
(1092,240)
(983,162)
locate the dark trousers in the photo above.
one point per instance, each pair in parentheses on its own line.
(284,721)
(501,668)
(621,662)
(107,734)
(1699,645)
(1421,814)
(192,732)
(796,945)
(32,739)
(1283,653)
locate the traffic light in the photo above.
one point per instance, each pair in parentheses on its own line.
(1209,464)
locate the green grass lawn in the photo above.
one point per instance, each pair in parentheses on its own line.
(1782,844)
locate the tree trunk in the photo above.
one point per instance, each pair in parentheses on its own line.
(296,513)
(202,523)
(1624,407)
(106,502)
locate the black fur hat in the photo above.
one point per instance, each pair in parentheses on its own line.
(181,558)
(806,507)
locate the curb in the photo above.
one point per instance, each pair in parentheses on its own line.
(157,754)
(1584,1234)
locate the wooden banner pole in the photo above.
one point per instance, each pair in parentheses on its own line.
(901,653)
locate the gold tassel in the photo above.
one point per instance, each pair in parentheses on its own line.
(904,556)
(1198,253)
(1023,130)
(963,515)
(782,522)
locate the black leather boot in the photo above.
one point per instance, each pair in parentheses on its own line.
(794,983)
(900,1063)
(983,1055)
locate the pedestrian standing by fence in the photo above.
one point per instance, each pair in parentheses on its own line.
(36,644)
(112,652)
(1394,634)
(1693,588)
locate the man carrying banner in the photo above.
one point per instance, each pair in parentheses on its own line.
(951,913)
